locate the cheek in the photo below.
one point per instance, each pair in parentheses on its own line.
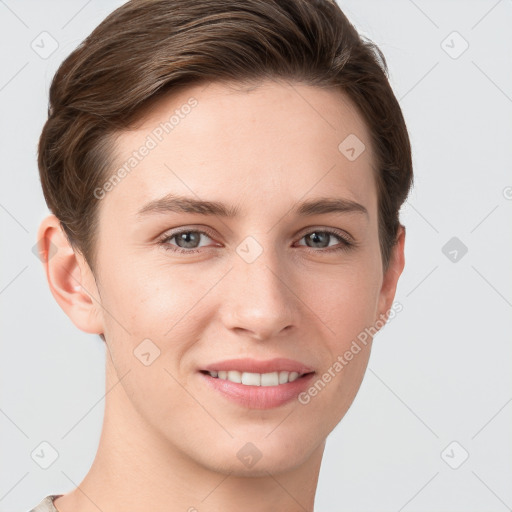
(161,302)
(161,305)
(333,391)
(345,299)
(146,298)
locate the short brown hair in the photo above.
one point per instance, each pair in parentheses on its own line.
(147,48)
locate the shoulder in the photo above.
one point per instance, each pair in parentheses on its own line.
(46,504)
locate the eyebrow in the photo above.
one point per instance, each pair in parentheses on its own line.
(183,204)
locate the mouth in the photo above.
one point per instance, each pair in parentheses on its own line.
(257,384)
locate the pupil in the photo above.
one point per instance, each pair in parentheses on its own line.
(185,237)
(318,237)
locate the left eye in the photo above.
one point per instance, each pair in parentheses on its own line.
(321,236)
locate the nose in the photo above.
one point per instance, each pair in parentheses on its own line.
(259,302)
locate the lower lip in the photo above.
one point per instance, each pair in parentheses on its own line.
(259,397)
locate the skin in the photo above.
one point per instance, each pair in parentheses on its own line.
(168,441)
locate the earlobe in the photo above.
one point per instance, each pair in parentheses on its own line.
(392,274)
(69,277)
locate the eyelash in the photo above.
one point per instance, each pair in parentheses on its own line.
(346,244)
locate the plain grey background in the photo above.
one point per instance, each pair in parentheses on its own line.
(430,427)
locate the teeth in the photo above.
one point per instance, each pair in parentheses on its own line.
(234,376)
(270,379)
(293,376)
(256,379)
(250,379)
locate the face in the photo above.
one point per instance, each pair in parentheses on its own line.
(260,277)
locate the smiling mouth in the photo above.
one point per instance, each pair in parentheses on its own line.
(256,379)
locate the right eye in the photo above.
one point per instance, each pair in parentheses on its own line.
(187,240)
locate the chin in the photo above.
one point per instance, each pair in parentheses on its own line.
(258,456)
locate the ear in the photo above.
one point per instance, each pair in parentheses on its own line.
(391,275)
(70,278)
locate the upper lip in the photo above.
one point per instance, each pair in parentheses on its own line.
(259,366)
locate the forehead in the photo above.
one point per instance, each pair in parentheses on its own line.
(277,142)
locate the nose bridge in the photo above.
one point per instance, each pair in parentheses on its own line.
(259,298)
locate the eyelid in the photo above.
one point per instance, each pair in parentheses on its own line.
(208,232)
(183,229)
(343,235)
(338,232)
(169,235)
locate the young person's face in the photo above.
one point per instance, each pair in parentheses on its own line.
(258,285)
